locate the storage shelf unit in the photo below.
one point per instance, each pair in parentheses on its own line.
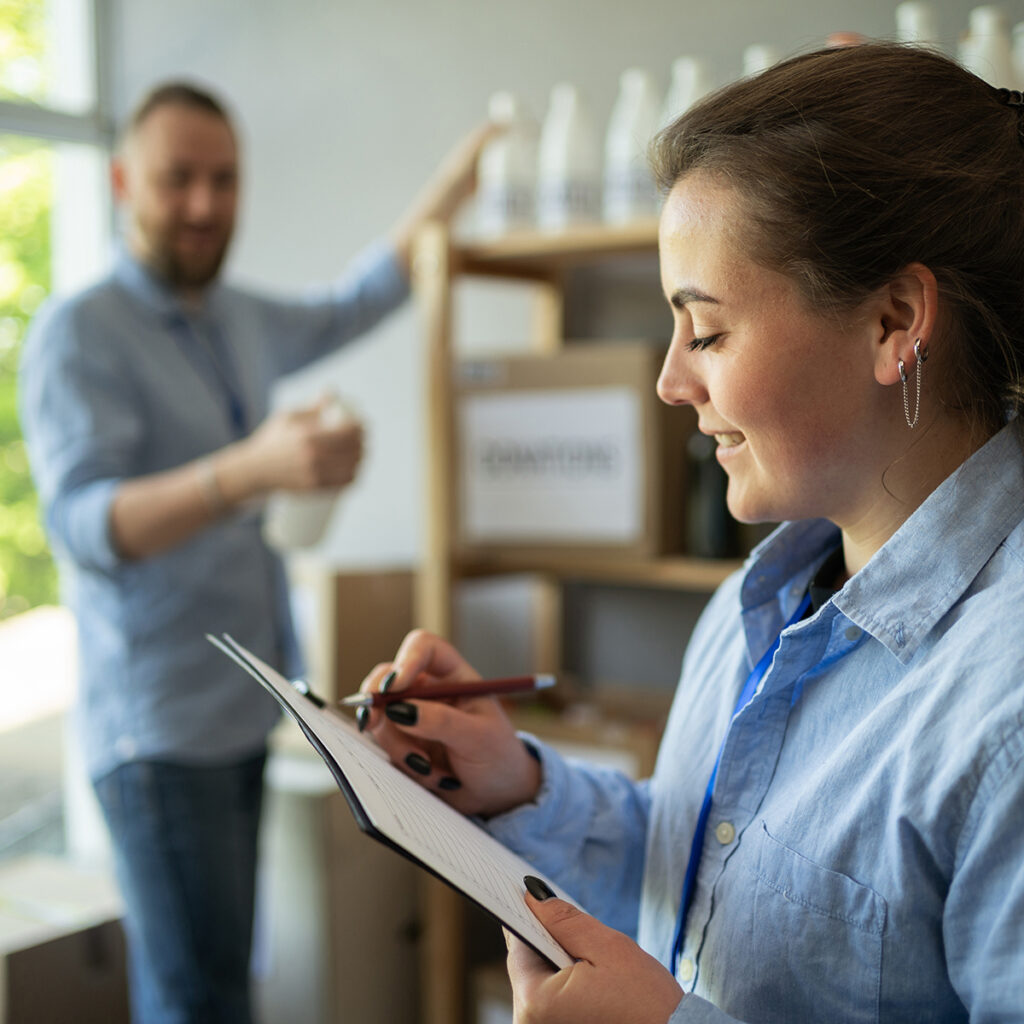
(700,575)
(544,261)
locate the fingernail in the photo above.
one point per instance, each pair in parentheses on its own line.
(388,680)
(449,782)
(418,763)
(362,718)
(538,889)
(402,713)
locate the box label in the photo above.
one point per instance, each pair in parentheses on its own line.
(553,465)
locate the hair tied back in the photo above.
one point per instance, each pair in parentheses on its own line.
(1014,99)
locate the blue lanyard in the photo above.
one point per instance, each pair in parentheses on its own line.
(747,694)
(213,354)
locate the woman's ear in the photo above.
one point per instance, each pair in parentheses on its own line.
(908,311)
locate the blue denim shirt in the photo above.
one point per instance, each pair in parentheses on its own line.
(864,857)
(118,382)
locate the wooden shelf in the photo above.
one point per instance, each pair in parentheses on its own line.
(543,260)
(534,254)
(699,575)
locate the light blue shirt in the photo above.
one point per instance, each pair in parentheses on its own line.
(122,381)
(864,857)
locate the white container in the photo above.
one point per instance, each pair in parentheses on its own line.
(759,57)
(691,79)
(299,519)
(915,23)
(507,170)
(568,167)
(986,49)
(1018,52)
(629,190)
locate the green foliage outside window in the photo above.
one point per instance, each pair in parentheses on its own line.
(27,575)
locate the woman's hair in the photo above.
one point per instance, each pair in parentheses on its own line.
(854,163)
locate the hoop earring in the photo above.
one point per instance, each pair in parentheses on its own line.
(920,356)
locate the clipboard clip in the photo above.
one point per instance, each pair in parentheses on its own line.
(303,687)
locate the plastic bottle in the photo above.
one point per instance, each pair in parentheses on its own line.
(507,169)
(568,167)
(691,79)
(1018,52)
(915,23)
(299,519)
(629,190)
(759,57)
(986,49)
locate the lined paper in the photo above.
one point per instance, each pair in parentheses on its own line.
(437,836)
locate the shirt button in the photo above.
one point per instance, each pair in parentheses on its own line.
(725,833)
(686,969)
(852,633)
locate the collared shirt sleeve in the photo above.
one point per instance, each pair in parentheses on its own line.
(373,286)
(585,830)
(983,922)
(82,430)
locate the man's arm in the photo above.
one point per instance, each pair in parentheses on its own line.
(452,183)
(289,451)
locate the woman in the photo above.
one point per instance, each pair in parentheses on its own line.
(835,827)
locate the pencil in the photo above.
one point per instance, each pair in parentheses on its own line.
(440,691)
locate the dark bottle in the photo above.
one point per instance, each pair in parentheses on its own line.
(711,532)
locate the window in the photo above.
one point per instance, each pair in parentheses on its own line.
(54,235)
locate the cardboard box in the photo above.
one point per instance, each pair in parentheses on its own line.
(572,451)
(62,950)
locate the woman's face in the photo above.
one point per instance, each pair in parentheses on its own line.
(790,397)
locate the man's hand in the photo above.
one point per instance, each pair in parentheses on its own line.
(452,183)
(296,451)
(613,980)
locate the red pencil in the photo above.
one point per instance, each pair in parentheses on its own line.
(439,691)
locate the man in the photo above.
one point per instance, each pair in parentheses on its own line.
(144,404)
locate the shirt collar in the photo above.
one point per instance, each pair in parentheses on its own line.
(923,569)
(152,291)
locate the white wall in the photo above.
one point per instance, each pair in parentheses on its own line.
(346,107)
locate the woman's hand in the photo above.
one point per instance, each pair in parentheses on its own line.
(466,750)
(613,979)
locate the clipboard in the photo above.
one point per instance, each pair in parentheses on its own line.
(393,809)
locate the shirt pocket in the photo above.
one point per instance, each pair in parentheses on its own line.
(821,937)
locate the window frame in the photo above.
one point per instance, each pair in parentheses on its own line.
(94,126)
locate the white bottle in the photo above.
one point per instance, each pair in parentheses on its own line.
(691,80)
(915,23)
(299,519)
(568,168)
(1018,52)
(629,190)
(507,169)
(986,49)
(759,57)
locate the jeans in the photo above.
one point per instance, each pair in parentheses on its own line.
(185,838)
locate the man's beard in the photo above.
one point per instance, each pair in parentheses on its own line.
(181,271)
(188,272)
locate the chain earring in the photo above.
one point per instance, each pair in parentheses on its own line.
(920,357)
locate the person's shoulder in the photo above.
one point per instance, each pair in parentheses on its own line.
(64,318)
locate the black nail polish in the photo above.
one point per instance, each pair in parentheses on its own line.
(388,680)
(402,713)
(538,889)
(362,718)
(449,782)
(418,763)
